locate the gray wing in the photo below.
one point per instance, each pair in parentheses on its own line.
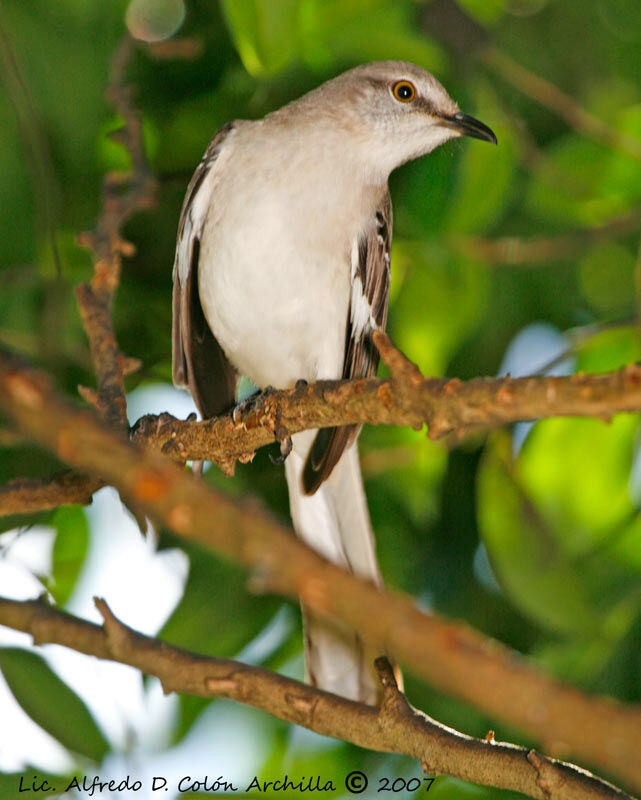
(198,362)
(367,313)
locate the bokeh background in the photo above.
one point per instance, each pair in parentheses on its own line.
(522,258)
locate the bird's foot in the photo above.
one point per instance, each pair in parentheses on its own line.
(253,405)
(249,404)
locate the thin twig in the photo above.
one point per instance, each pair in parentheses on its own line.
(123,196)
(395,727)
(550,96)
(525,252)
(27,495)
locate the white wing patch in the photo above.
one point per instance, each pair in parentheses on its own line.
(370,281)
(361,314)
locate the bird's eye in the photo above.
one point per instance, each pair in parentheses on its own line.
(404,91)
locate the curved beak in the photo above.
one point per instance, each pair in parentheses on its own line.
(469,126)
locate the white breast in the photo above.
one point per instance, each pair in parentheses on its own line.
(275,261)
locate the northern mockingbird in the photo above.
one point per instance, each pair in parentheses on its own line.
(282,273)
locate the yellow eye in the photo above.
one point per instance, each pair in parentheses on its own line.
(404,91)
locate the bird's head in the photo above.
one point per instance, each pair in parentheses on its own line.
(396,112)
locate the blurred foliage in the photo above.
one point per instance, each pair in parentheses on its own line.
(536,543)
(69,551)
(51,703)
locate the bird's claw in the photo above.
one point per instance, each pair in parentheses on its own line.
(285,449)
(250,403)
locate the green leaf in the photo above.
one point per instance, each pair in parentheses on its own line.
(17,242)
(559,524)
(265,32)
(486,173)
(217,615)
(403,471)
(585,183)
(622,19)
(579,659)
(609,350)
(524,553)
(607,278)
(51,703)
(13,783)
(439,300)
(484,11)
(355,31)
(421,190)
(576,471)
(622,174)
(69,551)
(113,155)
(271,34)
(405,464)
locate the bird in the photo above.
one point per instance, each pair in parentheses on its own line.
(282,274)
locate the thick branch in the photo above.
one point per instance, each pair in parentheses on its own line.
(453,658)
(396,727)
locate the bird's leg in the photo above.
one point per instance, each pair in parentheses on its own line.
(280,431)
(251,403)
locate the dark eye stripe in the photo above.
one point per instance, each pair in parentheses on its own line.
(427,105)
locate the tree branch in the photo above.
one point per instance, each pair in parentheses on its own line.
(550,96)
(447,406)
(534,251)
(453,658)
(395,727)
(123,196)
(28,495)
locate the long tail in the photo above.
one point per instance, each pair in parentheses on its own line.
(335,522)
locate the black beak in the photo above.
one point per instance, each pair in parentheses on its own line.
(469,126)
